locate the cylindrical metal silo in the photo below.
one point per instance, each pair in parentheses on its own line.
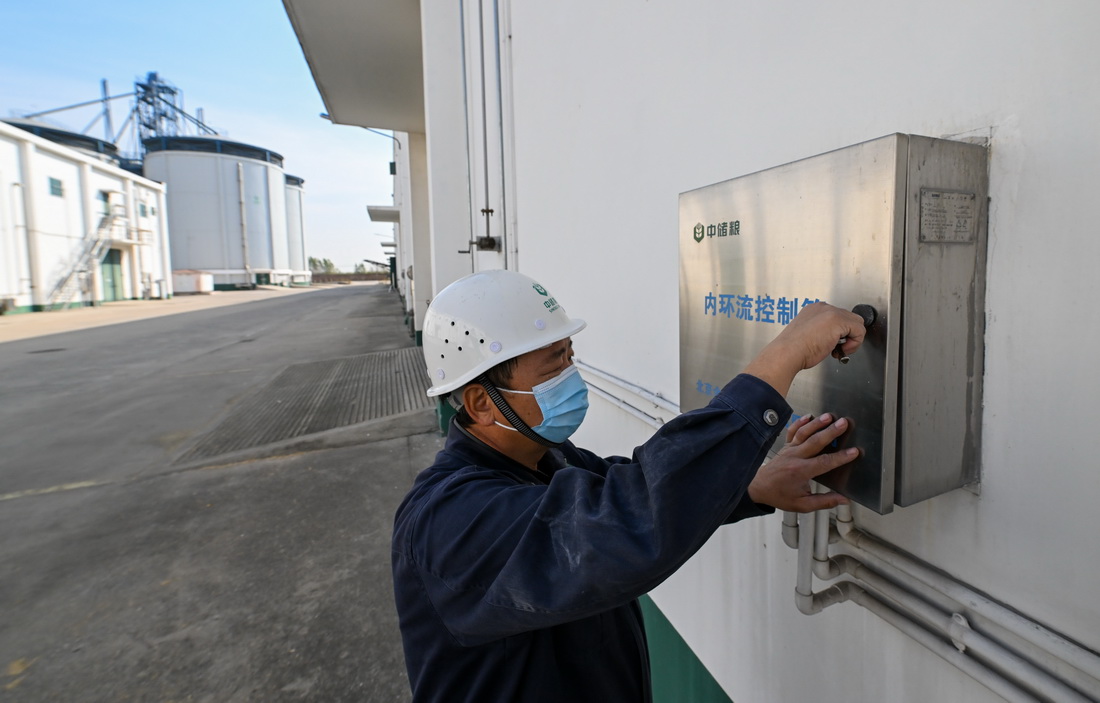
(226,208)
(295,232)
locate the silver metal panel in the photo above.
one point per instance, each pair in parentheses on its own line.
(944,318)
(824,228)
(897,223)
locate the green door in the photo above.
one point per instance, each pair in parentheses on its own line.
(111,273)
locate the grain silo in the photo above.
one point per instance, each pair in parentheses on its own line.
(227,208)
(295,232)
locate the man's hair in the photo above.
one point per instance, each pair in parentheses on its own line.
(500,376)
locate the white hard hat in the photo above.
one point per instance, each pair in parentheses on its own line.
(484,319)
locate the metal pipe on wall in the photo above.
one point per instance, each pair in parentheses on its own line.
(935,605)
(1076,665)
(655,398)
(810,603)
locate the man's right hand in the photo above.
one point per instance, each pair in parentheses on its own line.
(808,340)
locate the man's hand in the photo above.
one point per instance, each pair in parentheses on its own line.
(808,340)
(784,482)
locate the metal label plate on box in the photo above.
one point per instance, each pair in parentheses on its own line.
(947,216)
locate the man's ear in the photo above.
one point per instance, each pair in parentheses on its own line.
(479,406)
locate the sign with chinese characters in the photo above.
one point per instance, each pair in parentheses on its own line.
(851,227)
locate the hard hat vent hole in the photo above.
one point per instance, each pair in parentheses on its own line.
(460,348)
(442,356)
(452,323)
(446,341)
(481,341)
(467,333)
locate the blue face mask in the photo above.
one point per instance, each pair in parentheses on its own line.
(563,401)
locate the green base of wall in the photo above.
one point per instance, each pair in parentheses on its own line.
(20,310)
(443,414)
(231,286)
(677,673)
(66,306)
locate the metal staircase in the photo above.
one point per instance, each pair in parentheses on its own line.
(73,283)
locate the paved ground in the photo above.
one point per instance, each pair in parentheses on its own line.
(258,576)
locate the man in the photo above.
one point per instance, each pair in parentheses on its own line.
(518,557)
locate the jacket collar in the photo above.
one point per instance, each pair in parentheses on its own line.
(463,444)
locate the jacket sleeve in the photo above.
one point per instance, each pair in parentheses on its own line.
(497,558)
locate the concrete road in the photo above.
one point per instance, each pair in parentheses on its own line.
(129,577)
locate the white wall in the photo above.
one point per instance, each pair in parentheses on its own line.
(620,106)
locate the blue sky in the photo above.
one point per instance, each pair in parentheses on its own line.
(238,60)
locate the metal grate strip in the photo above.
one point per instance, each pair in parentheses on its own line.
(322,395)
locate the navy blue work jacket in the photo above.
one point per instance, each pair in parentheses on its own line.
(513,585)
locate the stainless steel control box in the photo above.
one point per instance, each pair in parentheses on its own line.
(897,223)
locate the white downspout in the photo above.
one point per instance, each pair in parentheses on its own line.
(244,222)
(165,254)
(133,233)
(91,227)
(30,223)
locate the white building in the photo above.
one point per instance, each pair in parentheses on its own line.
(555,139)
(76,229)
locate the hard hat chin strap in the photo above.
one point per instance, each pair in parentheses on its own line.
(510,415)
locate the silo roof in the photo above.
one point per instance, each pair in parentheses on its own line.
(213,145)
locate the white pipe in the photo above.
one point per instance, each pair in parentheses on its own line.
(1075,664)
(655,398)
(804,581)
(973,668)
(790,529)
(897,599)
(821,566)
(811,603)
(956,628)
(627,407)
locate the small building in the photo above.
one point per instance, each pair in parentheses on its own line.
(75,228)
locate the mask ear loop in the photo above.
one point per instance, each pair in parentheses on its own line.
(511,416)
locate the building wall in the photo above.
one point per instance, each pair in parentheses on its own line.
(50,212)
(617,114)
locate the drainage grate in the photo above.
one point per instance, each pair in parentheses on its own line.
(321,395)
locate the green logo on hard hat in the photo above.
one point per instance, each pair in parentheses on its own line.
(540,289)
(699,232)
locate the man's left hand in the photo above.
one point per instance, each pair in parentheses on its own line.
(784,482)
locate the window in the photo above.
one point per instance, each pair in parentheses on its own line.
(57,188)
(142,211)
(104,203)
(153,211)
